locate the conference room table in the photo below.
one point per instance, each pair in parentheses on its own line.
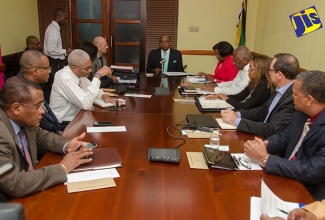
(151,190)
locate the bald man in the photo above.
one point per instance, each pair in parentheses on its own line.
(100,63)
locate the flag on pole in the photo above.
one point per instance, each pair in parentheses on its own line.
(241,25)
(2,77)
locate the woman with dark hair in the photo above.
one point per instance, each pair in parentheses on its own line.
(259,88)
(225,70)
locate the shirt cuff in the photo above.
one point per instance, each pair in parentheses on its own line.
(63,149)
(237,121)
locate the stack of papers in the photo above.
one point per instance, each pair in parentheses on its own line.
(215,103)
(196,79)
(224,125)
(127,68)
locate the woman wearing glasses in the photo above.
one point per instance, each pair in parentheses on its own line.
(258,90)
(225,70)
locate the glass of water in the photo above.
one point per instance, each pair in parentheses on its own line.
(215,134)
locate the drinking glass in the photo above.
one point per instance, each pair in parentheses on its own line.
(215,138)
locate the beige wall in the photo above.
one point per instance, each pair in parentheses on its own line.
(18,19)
(274,32)
(217,20)
(269,30)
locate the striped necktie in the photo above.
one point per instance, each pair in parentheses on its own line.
(303,134)
(26,152)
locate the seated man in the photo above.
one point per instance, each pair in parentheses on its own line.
(100,64)
(21,110)
(301,146)
(166,57)
(35,66)
(72,90)
(276,113)
(242,57)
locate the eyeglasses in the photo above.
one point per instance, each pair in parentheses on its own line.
(42,67)
(84,69)
(244,162)
(35,107)
(250,69)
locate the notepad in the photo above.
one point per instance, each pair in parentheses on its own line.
(101,103)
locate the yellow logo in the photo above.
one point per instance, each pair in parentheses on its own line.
(305,21)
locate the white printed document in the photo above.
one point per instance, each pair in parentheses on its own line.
(215,103)
(269,204)
(138,95)
(92,175)
(224,125)
(106,129)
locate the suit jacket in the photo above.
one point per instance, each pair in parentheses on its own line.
(19,182)
(105,81)
(247,99)
(280,117)
(309,166)
(175,62)
(49,121)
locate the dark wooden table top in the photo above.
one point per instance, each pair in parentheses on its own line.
(147,190)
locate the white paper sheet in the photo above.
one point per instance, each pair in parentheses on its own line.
(254,165)
(138,95)
(225,125)
(106,129)
(92,175)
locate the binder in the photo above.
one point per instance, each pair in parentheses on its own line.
(103,158)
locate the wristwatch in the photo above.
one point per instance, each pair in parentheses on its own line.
(215,80)
(100,75)
(263,163)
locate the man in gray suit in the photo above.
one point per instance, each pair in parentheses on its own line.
(100,63)
(276,113)
(21,110)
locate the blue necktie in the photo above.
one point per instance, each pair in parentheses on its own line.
(166,62)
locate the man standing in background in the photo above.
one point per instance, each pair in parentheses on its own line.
(53,48)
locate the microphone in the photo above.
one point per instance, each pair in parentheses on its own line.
(162,61)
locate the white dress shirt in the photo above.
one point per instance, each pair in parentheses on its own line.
(67,98)
(235,86)
(53,42)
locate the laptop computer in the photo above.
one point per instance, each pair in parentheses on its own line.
(201,120)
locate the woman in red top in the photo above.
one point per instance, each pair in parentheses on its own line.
(225,69)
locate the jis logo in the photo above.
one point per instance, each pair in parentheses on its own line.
(306,21)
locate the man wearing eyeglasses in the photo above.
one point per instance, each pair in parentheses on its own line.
(35,66)
(276,113)
(164,59)
(21,110)
(298,151)
(72,90)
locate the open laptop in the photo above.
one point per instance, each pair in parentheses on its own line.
(201,120)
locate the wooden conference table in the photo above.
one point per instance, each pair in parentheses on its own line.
(147,190)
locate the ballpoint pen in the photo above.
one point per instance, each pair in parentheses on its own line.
(236,161)
(281,210)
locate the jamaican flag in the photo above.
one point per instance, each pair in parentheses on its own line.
(241,25)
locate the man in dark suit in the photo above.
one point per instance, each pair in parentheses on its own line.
(301,145)
(276,113)
(21,110)
(35,66)
(164,57)
(99,64)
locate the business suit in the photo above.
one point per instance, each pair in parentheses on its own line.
(175,61)
(49,121)
(309,165)
(252,119)
(19,182)
(105,81)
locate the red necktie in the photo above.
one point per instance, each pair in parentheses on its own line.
(26,152)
